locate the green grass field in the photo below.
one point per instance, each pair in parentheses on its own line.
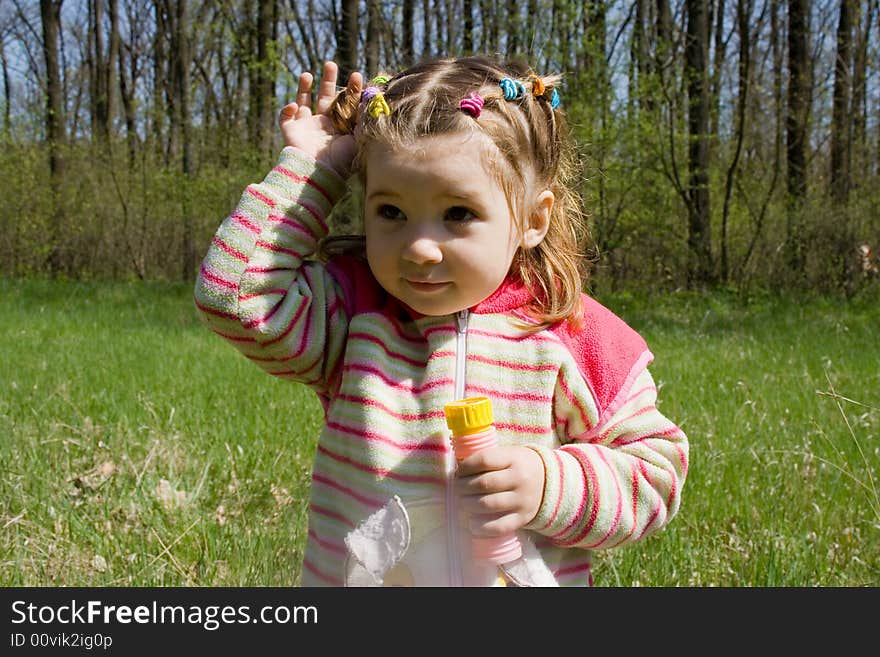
(140,450)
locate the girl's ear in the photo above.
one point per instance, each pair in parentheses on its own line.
(539,219)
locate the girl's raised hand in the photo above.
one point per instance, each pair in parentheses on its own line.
(315,133)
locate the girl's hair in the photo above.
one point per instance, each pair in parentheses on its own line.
(522,118)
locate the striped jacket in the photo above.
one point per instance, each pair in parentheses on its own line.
(382,509)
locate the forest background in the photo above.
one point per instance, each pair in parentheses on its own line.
(731,154)
(725,143)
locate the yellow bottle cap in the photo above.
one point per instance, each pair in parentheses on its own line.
(470,415)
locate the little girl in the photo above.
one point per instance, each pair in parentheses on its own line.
(466,282)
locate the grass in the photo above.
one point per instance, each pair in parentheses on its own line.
(140,450)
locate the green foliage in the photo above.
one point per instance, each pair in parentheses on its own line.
(120,219)
(142,450)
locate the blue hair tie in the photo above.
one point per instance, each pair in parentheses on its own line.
(554,99)
(512,89)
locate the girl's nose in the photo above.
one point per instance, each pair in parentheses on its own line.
(422,249)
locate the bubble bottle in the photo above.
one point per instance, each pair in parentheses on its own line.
(472,425)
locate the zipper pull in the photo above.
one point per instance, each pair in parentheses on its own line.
(461,320)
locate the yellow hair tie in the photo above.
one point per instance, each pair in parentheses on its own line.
(378,106)
(537,85)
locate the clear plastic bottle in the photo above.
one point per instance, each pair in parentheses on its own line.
(472,425)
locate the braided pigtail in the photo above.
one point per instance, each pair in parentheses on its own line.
(344,111)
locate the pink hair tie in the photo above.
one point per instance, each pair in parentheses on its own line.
(472,105)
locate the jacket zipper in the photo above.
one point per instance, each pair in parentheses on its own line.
(461,325)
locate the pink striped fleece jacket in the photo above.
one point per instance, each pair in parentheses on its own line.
(382,511)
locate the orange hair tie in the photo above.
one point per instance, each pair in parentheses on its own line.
(538,87)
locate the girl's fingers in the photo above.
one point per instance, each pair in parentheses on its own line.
(355,83)
(327,89)
(304,90)
(287,112)
(494,525)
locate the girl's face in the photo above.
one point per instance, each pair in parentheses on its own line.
(439,231)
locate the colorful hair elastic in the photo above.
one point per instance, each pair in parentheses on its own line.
(380,80)
(554,99)
(378,105)
(368,94)
(472,105)
(512,89)
(538,87)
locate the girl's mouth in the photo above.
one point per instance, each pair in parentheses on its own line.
(426,286)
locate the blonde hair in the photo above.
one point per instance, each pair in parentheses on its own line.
(529,132)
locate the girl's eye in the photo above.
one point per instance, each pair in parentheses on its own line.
(390,212)
(459,214)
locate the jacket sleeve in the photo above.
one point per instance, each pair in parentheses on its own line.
(614,480)
(256,287)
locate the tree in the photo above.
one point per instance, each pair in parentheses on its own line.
(698,208)
(347,39)
(130,69)
(102,66)
(50,15)
(263,73)
(796,118)
(743,12)
(513,27)
(841,118)
(467,10)
(374,35)
(407,49)
(7,94)
(176,18)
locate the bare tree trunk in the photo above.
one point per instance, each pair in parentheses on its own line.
(877,154)
(640,56)
(50,14)
(7,98)
(531,29)
(181,49)
(665,48)
(743,12)
(436,15)
(859,169)
(407,48)
(103,58)
(450,25)
(426,28)
(778,83)
(263,74)
(129,73)
(374,30)
(718,60)
(796,130)
(467,37)
(696,76)
(513,28)
(347,39)
(593,74)
(158,112)
(841,116)
(491,24)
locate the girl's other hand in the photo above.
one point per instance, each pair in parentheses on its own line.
(501,488)
(315,133)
